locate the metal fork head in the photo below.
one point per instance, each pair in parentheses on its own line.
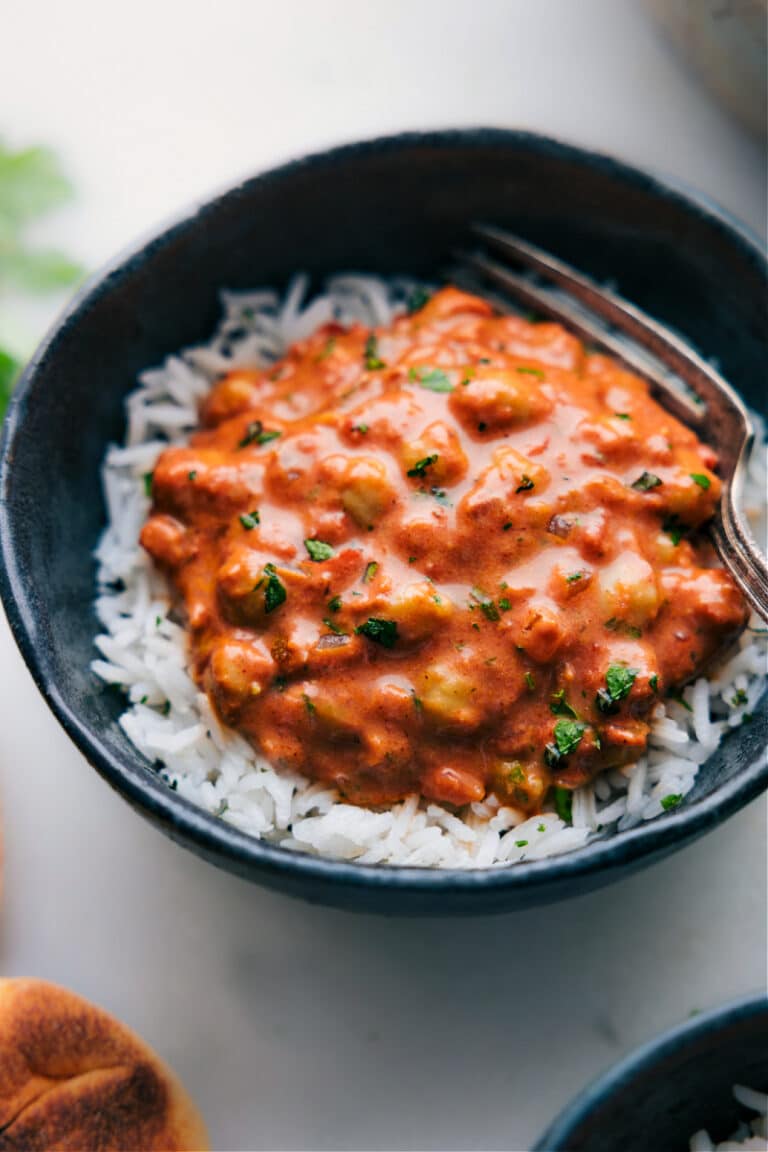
(711,407)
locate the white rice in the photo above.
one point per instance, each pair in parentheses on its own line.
(751,1137)
(171,721)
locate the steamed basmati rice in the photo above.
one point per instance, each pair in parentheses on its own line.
(168,719)
(752,1137)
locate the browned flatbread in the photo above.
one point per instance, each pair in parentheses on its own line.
(74,1079)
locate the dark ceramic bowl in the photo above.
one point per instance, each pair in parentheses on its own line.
(390,206)
(672,1087)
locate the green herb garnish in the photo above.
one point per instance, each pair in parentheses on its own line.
(371,569)
(674,529)
(521,843)
(564,804)
(361,428)
(645,482)
(274,593)
(572,577)
(308,704)
(334,627)
(147,478)
(319,550)
(380,631)
(432,378)
(487,606)
(525,484)
(619,680)
(531,372)
(700,479)
(420,467)
(372,360)
(249,520)
(255,433)
(568,734)
(671,801)
(653,683)
(530,683)
(560,706)
(418,298)
(334,604)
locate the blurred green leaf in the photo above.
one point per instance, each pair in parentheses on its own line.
(37,270)
(31,183)
(9,368)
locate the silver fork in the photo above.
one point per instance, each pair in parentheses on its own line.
(714,410)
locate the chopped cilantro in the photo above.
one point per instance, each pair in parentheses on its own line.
(671,801)
(334,604)
(530,683)
(274,592)
(166,708)
(148,478)
(739,698)
(525,484)
(560,706)
(249,520)
(417,300)
(417,702)
(420,467)
(372,360)
(645,482)
(434,379)
(700,479)
(361,428)
(504,604)
(568,734)
(319,550)
(532,372)
(380,631)
(506,527)
(334,627)
(327,351)
(619,680)
(487,606)
(572,577)
(255,433)
(564,804)
(653,683)
(678,697)
(371,569)
(622,415)
(192,475)
(674,529)
(521,843)
(541,827)
(308,704)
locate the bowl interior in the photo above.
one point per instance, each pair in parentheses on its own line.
(675,1086)
(394,206)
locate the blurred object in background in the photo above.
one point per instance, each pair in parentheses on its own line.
(726,42)
(32,184)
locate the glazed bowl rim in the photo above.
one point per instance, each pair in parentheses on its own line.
(144,789)
(646,1058)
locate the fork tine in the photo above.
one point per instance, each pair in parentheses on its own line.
(675,401)
(656,338)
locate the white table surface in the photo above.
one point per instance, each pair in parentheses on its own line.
(293,1026)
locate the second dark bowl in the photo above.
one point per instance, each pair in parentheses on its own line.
(672,1087)
(387,206)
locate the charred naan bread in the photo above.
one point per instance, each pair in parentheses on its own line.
(74,1079)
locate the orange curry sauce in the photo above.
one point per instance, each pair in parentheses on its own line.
(453,556)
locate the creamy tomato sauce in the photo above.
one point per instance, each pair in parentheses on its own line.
(453,556)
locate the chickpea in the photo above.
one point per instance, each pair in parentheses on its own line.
(523,783)
(366,491)
(419,609)
(499,398)
(439,445)
(446,695)
(238,671)
(628,589)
